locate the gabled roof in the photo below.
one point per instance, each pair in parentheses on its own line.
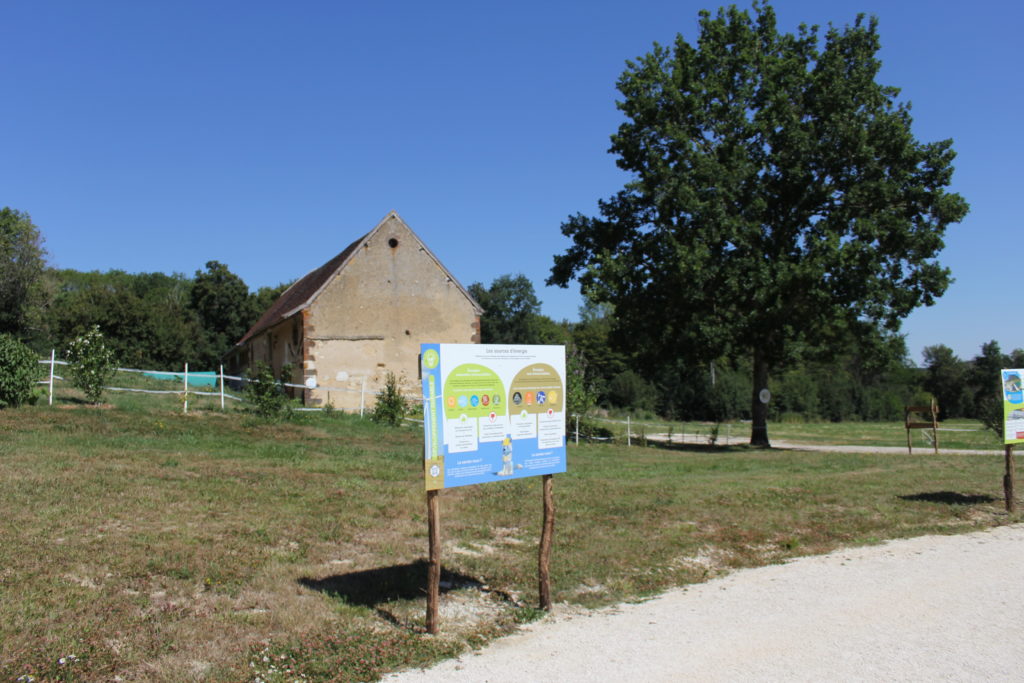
(305,290)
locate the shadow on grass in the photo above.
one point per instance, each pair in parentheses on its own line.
(375,588)
(70,401)
(719,447)
(949,498)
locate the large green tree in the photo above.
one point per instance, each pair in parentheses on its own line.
(144,317)
(945,378)
(512,313)
(224,307)
(21,270)
(778,196)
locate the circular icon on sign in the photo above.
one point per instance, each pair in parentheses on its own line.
(485,399)
(496,400)
(541,398)
(430,359)
(451,401)
(553,397)
(463,402)
(474,400)
(529,398)
(517,398)
(493,416)
(434,470)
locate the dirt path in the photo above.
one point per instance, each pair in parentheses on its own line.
(780,444)
(928,608)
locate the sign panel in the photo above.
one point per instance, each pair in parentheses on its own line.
(1013,406)
(492,412)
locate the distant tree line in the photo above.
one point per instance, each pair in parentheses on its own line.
(854,380)
(150,320)
(156,320)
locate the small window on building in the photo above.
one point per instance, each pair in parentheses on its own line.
(392,243)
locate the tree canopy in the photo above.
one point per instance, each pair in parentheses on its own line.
(21,269)
(225,310)
(779,199)
(512,313)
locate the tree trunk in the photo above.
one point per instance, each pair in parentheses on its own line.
(759,409)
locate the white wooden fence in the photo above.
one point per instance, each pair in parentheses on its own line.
(222,393)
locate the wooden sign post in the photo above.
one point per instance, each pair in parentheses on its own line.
(544,555)
(1011,389)
(1011,504)
(434,568)
(491,413)
(932,413)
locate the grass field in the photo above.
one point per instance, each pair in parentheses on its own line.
(140,543)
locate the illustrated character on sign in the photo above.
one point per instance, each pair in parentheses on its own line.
(506,458)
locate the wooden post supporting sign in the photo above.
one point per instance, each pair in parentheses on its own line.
(434,569)
(1011,503)
(546,535)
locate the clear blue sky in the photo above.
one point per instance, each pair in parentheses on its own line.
(155,136)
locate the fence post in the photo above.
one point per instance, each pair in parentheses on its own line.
(577,430)
(53,361)
(629,435)
(222,386)
(362,397)
(185,408)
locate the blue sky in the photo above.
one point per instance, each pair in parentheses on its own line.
(155,136)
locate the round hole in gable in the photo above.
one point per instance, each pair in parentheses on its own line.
(392,243)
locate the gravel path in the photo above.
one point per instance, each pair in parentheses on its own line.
(780,444)
(928,608)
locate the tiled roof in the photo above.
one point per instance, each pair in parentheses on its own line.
(299,294)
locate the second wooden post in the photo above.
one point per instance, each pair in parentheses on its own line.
(546,534)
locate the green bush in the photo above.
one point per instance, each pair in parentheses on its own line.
(19,369)
(629,390)
(266,393)
(581,390)
(91,363)
(391,405)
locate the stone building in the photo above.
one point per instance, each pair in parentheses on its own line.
(365,312)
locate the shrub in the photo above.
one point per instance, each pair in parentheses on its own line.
(266,393)
(630,390)
(391,406)
(91,363)
(582,394)
(19,369)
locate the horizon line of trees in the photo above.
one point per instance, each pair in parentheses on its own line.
(158,320)
(148,319)
(852,381)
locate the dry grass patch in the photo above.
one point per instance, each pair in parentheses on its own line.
(153,546)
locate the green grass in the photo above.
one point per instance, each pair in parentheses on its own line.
(153,545)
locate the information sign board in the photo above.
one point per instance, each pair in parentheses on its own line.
(492,412)
(1013,406)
